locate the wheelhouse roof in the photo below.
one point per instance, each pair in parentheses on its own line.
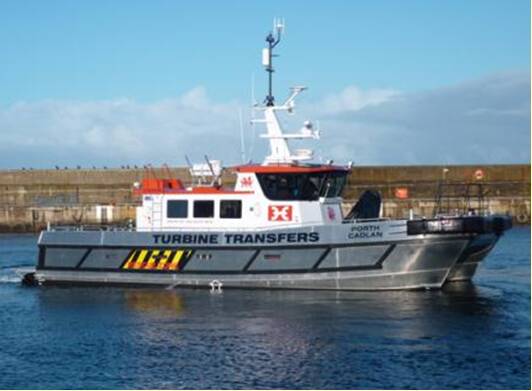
(289,168)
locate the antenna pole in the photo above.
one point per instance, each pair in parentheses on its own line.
(242,145)
(272,42)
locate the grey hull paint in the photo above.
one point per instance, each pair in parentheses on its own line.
(344,280)
(476,251)
(403,263)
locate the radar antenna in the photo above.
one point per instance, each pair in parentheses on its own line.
(267,54)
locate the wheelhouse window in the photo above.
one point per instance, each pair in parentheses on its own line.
(203,209)
(177,209)
(230,209)
(302,187)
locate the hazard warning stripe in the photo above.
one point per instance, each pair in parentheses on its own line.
(131,259)
(143,256)
(156,259)
(162,259)
(152,260)
(176,257)
(125,264)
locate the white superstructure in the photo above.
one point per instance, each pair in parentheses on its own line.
(281,192)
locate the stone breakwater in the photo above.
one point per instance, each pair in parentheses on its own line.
(29,199)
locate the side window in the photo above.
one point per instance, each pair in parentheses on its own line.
(177,209)
(203,209)
(231,209)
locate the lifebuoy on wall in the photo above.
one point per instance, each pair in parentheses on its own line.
(522,218)
(479,175)
(401,192)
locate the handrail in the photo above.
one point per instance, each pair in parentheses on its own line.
(131,228)
(354,220)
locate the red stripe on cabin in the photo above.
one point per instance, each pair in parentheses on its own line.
(288,169)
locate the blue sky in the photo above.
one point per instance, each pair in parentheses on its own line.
(107,54)
(154,49)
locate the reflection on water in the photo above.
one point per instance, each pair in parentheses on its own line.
(455,295)
(159,302)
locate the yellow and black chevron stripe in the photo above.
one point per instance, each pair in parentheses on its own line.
(156,259)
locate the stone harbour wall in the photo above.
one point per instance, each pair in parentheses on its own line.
(30,199)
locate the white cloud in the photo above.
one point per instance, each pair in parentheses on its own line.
(116,132)
(353,98)
(195,99)
(480,121)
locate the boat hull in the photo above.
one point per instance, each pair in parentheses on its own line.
(485,232)
(421,279)
(375,265)
(359,255)
(473,255)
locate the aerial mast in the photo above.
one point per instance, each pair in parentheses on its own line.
(280,152)
(267,54)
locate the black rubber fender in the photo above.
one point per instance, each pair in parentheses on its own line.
(460,224)
(501,224)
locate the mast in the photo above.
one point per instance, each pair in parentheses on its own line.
(267,55)
(280,152)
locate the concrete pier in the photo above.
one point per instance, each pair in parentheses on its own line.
(29,199)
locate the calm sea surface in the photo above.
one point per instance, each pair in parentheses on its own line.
(465,336)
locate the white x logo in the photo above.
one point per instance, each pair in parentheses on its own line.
(280,213)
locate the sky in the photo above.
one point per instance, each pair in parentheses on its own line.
(137,82)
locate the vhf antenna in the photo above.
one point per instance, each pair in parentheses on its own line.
(267,54)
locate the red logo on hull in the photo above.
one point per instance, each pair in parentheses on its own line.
(280,213)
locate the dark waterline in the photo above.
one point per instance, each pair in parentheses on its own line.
(465,336)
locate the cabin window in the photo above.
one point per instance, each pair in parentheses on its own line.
(203,209)
(302,187)
(231,209)
(177,209)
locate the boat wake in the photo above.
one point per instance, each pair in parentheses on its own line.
(11,267)
(14,274)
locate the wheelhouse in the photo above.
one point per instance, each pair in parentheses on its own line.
(299,183)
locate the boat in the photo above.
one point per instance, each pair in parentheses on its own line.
(489,228)
(279,224)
